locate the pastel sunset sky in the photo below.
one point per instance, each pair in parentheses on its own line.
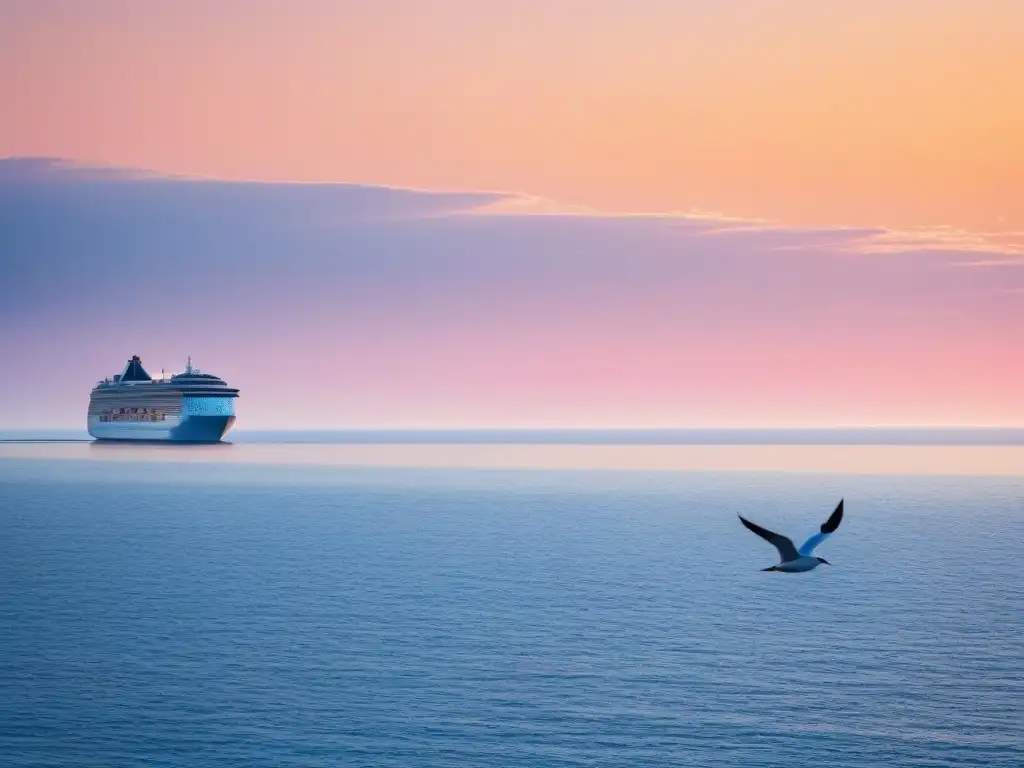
(530,213)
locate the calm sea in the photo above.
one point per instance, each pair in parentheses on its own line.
(401,601)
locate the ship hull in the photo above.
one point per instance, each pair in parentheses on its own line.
(186,429)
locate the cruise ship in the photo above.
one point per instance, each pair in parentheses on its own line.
(188,407)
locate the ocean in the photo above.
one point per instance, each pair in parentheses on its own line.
(323,601)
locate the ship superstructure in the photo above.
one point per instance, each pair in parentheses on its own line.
(191,406)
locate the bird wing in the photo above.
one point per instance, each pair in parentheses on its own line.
(787,551)
(827,528)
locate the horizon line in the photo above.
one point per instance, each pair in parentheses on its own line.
(647,429)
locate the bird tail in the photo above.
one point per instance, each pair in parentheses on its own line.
(773,568)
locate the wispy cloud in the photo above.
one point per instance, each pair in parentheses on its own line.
(530,205)
(513,204)
(941,239)
(382,203)
(1005,262)
(22,170)
(864,240)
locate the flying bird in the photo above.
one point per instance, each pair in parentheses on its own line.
(798,560)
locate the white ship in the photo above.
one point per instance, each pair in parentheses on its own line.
(189,407)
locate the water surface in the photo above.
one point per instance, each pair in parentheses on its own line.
(480,605)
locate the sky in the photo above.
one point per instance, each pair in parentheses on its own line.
(562,213)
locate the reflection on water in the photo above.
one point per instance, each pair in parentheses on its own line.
(858,459)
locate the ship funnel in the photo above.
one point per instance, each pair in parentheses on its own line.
(134,371)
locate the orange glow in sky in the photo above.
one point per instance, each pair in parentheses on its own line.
(864,113)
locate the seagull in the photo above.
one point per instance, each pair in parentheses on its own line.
(798,560)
